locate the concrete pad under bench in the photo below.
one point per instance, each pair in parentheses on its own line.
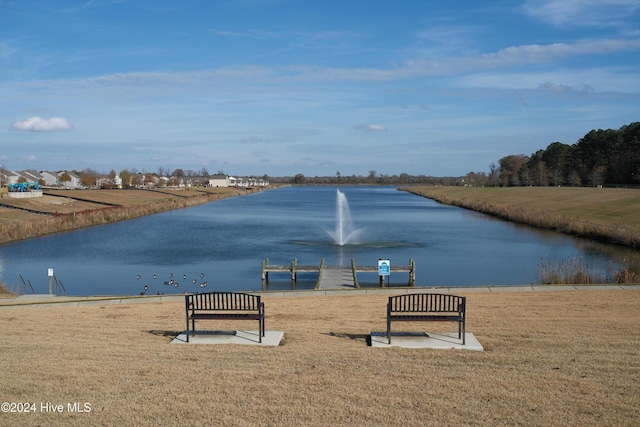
(438,340)
(270,339)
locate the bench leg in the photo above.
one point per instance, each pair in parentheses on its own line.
(389,330)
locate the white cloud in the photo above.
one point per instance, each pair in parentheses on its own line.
(593,13)
(255,34)
(552,87)
(372,128)
(37,124)
(222,79)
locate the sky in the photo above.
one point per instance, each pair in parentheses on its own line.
(282,87)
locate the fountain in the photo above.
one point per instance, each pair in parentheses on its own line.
(344,232)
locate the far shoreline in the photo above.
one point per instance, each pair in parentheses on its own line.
(541,207)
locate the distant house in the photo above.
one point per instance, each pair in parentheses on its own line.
(23,184)
(108,182)
(31,176)
(12,177)
(50,178)
(219,180)
(247,182)
(73,183)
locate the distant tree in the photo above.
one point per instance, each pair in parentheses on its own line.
(597,176)
(510,168)
(136,179)
(178,173)
(555,176)
(89,177)
(110,180)
(125,176)
(149,180)
(555,158)
(204,172)
(574,178)
(299,179)
(64,177)
(4,173)
(494,175)
(476,179)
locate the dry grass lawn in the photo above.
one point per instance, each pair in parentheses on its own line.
(18,224)
(551,358)
(603,206)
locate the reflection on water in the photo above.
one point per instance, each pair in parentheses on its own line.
(224,243)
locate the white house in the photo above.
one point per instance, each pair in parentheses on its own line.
(73,183)
(243,182)
(219,180)
(12,177)
(50,178)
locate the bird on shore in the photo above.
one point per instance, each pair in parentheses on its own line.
(203,284)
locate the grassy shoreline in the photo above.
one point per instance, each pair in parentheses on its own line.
(60,211)
(609,215)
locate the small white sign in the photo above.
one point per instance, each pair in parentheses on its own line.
(384,267)
(51,272)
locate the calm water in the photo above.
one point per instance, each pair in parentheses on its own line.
(223,243)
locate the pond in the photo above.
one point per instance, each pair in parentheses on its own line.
(221,245)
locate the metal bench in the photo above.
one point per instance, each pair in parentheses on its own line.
(427,308)
(223,306)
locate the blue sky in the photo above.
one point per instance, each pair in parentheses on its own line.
(280,87)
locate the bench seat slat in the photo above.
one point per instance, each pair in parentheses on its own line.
(426,318)
(229,316)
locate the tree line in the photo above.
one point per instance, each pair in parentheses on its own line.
(601,157)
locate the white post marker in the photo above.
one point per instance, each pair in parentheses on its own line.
(50,273)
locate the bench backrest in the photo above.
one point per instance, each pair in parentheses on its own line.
(223,301)
(433,303)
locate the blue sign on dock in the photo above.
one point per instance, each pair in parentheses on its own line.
(384,267)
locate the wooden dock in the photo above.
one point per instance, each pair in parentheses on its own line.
(334,277)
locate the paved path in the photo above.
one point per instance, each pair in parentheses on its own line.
(52,301)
